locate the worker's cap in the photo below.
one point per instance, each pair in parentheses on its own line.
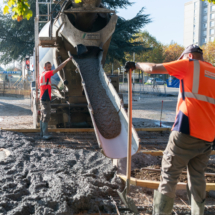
(190,49)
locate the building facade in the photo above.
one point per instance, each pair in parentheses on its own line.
(199,22)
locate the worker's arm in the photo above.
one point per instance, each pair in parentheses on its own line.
(62,65)
(146,67)
(151,68)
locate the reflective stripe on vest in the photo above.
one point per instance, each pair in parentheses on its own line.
(194,94)
(44,83)
(199,97)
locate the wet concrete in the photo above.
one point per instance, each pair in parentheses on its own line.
(45,181)
(2,155)
(105,114)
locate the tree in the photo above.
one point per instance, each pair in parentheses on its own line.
(153,50)
(210,1)
(172,52)
(209,52)
(17,38)
(123,39)
(20,9)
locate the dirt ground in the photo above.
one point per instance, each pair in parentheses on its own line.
(16,113)
(155,176)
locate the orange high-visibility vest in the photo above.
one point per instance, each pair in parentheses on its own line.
(45,85)
(196,102)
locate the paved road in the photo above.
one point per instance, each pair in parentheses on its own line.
(15,113)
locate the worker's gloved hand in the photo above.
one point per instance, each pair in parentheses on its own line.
(130,65)
(213,146)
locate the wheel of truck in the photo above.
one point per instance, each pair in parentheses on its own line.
(35,115)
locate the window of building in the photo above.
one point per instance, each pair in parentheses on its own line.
(205,3)
(205,33)
(205,10)
(211,39)
(205,25)
(205,18)
(211,31)
(195,4)
(195,12)
(213,8)
(195,40)
(212,23)
(204,40)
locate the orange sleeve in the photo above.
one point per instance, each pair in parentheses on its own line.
(49,74)
(177,68)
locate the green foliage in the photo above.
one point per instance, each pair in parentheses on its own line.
(114,4)
(155,52)
(209,52)
(17,38)
(124,34)
(20,9)
(210,1)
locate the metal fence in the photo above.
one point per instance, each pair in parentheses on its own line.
(16,89)
(149,88)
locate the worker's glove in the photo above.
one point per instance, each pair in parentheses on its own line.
(213,146)
(130,65)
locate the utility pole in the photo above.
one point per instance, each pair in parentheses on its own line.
(112,69)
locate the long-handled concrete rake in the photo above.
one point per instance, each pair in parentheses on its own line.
(124,195)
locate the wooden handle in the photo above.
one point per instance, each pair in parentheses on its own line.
(129,129)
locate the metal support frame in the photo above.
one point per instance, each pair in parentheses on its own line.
(37,22)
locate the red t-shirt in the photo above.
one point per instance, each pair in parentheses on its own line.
(45,85)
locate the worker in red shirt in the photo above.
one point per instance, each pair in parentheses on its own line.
(193,132)
(45,96)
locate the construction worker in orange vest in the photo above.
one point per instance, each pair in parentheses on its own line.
(45,96)
(193,133)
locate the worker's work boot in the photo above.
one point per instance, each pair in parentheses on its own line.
(46,136)
(41,129)
(197,208)
(162,204)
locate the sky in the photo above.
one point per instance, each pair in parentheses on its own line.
(167,18)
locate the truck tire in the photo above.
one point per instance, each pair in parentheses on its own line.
(35,115)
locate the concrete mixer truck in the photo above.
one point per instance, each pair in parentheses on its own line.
(82,94)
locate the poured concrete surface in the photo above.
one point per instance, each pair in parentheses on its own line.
(53,181)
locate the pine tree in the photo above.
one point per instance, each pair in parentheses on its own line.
(17,38)
(124,34)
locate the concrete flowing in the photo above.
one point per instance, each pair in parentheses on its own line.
(105,114)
